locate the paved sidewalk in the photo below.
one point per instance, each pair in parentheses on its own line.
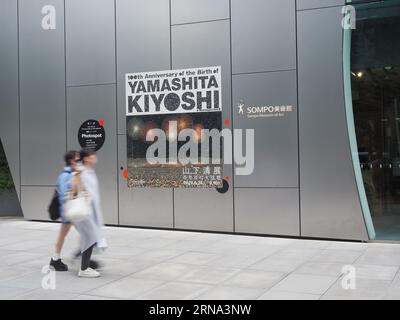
(157,264)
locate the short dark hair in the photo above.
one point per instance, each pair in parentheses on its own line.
(69,156)
(86,153)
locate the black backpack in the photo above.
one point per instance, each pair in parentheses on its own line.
(54,207)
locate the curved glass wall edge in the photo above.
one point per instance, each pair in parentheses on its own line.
(371,64)
(352,134)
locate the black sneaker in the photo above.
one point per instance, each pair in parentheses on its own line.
(94,265)
(58,265)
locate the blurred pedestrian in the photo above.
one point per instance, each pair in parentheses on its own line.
(71,159)
(90,229)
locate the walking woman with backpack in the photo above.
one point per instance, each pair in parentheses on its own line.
(56,208)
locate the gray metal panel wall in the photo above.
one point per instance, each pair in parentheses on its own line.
(90,41)
(330,206)
(10,204)
(310,4)
(205,209)
(184,11)
(148,207)
(267,211)
(9,101)
(276,149)
(97,102)
(34,202)
(263,35)
(143,43)
(264,39)
(42,94)
(191,38)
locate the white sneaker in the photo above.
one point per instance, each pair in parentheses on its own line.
(88,273)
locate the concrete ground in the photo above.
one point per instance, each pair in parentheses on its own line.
(157,264)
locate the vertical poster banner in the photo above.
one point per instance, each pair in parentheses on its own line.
(171,117)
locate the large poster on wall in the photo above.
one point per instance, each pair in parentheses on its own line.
(169,117)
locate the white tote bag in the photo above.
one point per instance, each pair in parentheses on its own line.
(77,205)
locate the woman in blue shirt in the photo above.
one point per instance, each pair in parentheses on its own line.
(71,159)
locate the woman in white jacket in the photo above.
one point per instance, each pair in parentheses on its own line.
(90,229)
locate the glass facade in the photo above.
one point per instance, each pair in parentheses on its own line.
(375,83)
